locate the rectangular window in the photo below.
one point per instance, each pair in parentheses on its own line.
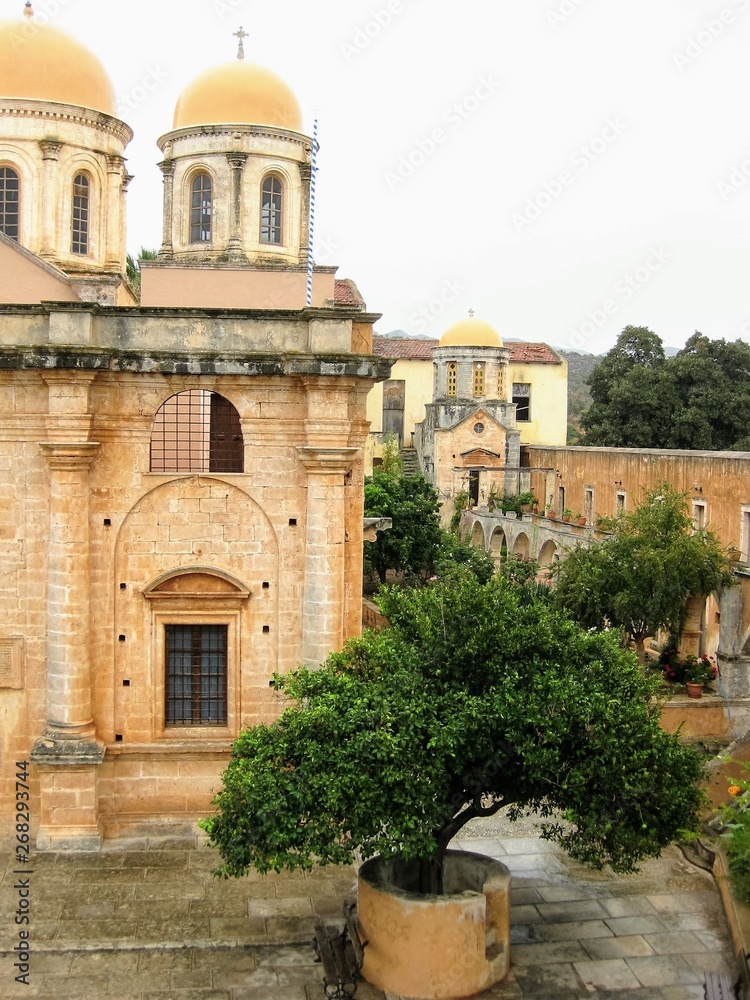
(196,675)
(619,502)
(478,383)
(588,503)
(452,375)
(522,399)
(745,533)
(80,240)
(699,515)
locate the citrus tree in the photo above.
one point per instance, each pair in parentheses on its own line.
(478,696)
(642,576)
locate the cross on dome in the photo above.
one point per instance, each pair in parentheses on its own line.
(240,47)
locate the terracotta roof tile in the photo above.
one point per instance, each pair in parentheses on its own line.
(346,293)
(421,350)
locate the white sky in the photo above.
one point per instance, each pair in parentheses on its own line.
(636,231)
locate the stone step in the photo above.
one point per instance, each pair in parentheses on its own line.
(410,461)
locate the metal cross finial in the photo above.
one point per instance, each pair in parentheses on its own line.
(471,313)
(240,47)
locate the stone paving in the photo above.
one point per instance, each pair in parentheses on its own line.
(147,921)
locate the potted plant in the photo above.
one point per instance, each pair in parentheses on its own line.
(526,500)
(699,671)
(398,740)
(581,520)
(551,513)
(567,514)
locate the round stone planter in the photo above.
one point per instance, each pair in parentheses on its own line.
(435,947)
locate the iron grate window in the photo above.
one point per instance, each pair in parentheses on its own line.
(270,211)
(80,241)
(201,209)
(478,382)
(9,202)
(196,681)
(197,431)
(452,389)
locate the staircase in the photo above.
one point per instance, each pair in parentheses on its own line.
(410,460)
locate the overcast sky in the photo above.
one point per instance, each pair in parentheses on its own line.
(563,167)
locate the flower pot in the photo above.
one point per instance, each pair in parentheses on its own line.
(694,690)
(581,521)
(566,518)
(435,947)
(550,513)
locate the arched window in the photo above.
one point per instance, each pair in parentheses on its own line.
(478,384)
(197,431)
(201,209)
(271,199)
(501,382)
(452,386)
(80,215)
(9,202)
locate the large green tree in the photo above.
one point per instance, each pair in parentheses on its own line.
(477,696)
(412,502)
(698,399)
(641,577)
(631,392)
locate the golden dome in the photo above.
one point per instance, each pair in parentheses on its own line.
(42,63)
(471,333)
(238,93)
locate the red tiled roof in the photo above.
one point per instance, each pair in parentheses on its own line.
(346,293)
(421,350)
(403,347)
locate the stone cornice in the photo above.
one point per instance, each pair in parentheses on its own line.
(45,357)
(331,461)
(16,107)
(229,131)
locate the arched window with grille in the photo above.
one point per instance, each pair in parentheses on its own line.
(197,431)
(9,202)
(452,379)
(81,211)
(271,204)
(201,209)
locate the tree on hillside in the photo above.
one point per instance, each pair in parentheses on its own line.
(641,578)
(478,696)
(412,503)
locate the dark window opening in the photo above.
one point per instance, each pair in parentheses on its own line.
(80,240)
(522,399)
(201,209)
(197,431)
(9,202)
(196,675)
(270,211)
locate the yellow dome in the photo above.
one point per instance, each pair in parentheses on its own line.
(42,63)
(471,333)
(238,93)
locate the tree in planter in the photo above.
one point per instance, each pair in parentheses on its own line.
(412,503)
(641,578)
(477,696)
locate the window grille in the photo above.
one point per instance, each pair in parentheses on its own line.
(478,384)
(81,206)
(9,202)
(270,210)
(452,388)
(501,382)
(197,431)
(196,675)
(201,209)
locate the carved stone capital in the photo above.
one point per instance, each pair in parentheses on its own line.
(50,149)
(67,455)
(115,164)
(167,167)
(236,160)
(330,461)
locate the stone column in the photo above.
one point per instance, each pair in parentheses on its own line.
(115,219)
(692,633)
(167,169)
(323,592)
(234,247)
(305,173)
(68,753)
(50,151)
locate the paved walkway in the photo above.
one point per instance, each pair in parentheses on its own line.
(146,921)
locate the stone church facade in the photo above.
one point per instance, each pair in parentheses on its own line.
(181,477)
